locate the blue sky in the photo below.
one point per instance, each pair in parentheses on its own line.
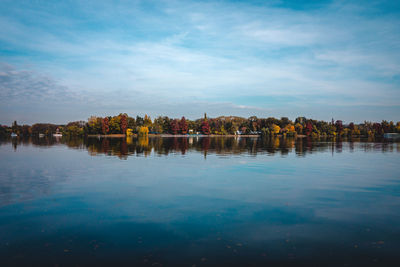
(67,60)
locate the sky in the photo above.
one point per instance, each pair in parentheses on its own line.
(64,61)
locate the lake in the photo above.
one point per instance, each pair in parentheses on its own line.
(199,202)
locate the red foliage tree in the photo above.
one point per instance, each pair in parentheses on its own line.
(309,128)
(174,126)
(105,126)
(183,126)
(124,123)
(205,128)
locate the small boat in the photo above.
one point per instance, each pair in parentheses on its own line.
(14,135)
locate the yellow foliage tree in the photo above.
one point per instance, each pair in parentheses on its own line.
(275,129)
(129,132)
(290,128)
(143,131)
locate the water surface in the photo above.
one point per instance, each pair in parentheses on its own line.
(199,201)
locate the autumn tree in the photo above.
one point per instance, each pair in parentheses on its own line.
(94,125)
(339,127)
(205,127)
(143,131)
(147,121)
(183,126)
(309,128)
(115,125)
(43,128)
(299,128)
(105,125)
(131,122)
(275,129)
(124,123)
(159,125)
(290,128)
(175,126)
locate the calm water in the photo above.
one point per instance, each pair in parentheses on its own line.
(199,202)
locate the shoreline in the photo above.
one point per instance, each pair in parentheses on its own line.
(184,135)
(106,135)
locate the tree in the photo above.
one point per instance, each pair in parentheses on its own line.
(205,127)
(114,124)
(131,122)
(124,123)
(105,126)
(143,131)
(95,125)
(377,128)
(175,126)
(158,125)
(290,128)
(44,128)
(339,127)
(183,126)
(166,124)
(147,121)
(275,129)
(129,132)
(309,128)
(284,121)
(253,125)
(299,128)
(139,121)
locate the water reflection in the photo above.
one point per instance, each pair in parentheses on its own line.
(145,146)
(252,202)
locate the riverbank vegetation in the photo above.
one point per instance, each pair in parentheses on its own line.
(224,125)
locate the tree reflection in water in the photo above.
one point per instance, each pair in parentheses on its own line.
(145,146)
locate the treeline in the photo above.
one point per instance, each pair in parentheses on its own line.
(224,125)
